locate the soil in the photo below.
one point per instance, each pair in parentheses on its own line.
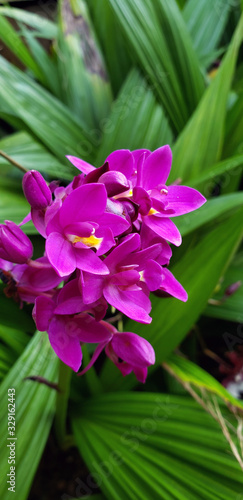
(61,475)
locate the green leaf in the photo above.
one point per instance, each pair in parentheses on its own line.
(206,22)
(46,64)
(14,338)
(44,27)
(45,116)
(209,212)
(84,82)
(192,374)
(231,308)
(148,445)
(12,342)
(161,44)
(233,142)
(136,121)
(11,314)
(222,172)
(199,271)
(13,206)
(30,154)
(112,42)
(14,42)
(34,410)
(200,143)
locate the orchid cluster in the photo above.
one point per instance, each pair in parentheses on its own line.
(107,243)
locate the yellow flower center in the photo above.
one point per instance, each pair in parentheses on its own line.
(152,211)
(91,241)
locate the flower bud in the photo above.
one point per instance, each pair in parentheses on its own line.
(15,246)
(36,191)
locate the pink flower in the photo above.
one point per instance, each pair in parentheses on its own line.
(15,246)
(66,332)
(128,351)
(79,226)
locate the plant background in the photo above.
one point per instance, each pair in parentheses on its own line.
(99,75)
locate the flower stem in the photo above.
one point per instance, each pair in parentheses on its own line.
(92,379)
(64,380)
(11,160)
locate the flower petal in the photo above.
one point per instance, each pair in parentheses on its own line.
(133,349)
(40,278)
(67,347)
(87,260)
(69,300)
(116,223)
(140,374)
(81,164)
(155,170)
(43,312)
(90,330)
(141,197)
(92,287)
(152,275)
(121,160)
(172,286)
(127,246)
(115,182)
(137,153)
(134,304)
(140,258)
(183,199)
(85,203)
(60,253)
(95,356)
(163,227)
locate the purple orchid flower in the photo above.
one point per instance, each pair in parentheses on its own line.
(128,351)
(80,225)
(66,332)
(15,246)
(107,236)
(133,273)
(28,281)
(158,202)
(36,191)
(146,174)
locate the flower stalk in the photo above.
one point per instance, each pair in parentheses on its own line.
(14,162)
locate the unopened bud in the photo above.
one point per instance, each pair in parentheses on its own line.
(36,191)
(15,246)
(231,289)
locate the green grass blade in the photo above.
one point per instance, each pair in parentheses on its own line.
(200,143)
(145,445)
(136,121)
(34,413)
(209,212)
(11,315)
(30,154)
(222,172)
(45,116)
(12,344)
(112,42)
(84,83)
(206,22)
(44,27)
(13,41)
(191,373)
(46,64)
(160,43)
(231,308)
(233,142)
